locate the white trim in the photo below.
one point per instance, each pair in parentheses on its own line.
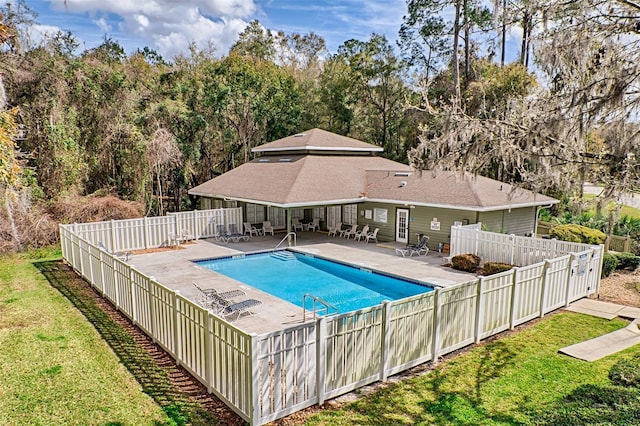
(318,148)
(399,203)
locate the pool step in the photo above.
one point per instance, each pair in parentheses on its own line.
(283,255)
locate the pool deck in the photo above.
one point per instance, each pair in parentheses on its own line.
(175,269)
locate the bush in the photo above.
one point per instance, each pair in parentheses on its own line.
(609,264)
(627,261)
(626,372)
(577,234)
(490,268)
(467,262)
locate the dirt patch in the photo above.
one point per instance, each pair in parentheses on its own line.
(622,287)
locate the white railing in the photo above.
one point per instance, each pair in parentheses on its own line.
(266,377)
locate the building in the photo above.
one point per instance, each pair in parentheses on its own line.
(337,179)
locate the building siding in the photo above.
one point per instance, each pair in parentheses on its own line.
(515,221)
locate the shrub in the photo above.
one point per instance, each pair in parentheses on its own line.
(627,261)
(577,234)
(490,268)
(626,372)
(609,264)
(467,262)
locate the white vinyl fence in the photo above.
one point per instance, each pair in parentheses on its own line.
(266,377)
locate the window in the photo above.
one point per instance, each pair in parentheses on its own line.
(350,214)
(255,213)
(318,213)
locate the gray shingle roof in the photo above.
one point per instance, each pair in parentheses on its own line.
(317,140)
(306,180)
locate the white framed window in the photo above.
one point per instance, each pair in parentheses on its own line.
(277,217)
(350,214)
(318,213)
(298,213)
(255,213)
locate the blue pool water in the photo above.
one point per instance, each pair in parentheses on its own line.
(345,287)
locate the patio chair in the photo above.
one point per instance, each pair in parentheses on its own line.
(221,234)
(211,299)
(239,308)
(362,233)
(346,233)
(295,223)
(373,235)
(267,227)
(234,235)
(420,248)
(314,225)
(122,255)
(333,230)
(250,229)
(186,236)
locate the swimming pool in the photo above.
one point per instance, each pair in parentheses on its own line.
(289,276)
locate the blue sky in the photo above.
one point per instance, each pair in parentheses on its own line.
(168,26)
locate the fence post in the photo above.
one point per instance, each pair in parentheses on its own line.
(514,298)
(208,349)
(115,285)
(479,310)
(513,248)
(569,275)
(145,232)
(113,237)
(321,359)
(436,327)
(102,279)
(152,310)
(543,290)
(196,228)
(627,244)
(255,388)
(176,328)
(134,313)
(384,350)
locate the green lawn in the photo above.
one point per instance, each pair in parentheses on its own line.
(56,368)
(505,382)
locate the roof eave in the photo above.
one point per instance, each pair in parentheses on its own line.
(317,148)
(465,208)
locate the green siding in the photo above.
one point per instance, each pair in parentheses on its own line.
(517,221)
(419,222)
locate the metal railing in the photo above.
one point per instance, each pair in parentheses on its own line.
(295,242)
(327,307)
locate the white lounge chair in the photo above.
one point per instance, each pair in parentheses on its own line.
(250,229)
(295,223)
(362,233)
(313,225)
(346,233)
(211,299)
(239,308)
(420,248)
(267,228)
(373,235)
(333,230)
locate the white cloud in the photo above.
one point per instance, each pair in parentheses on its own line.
(169,25)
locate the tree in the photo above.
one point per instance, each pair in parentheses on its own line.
(255,41)
(589,53)
(377,82)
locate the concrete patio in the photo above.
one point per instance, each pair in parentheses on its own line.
(175,269)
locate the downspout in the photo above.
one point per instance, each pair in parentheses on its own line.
(535,224)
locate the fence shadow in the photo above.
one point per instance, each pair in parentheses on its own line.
(183,399)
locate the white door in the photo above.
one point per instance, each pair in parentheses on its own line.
(402,226)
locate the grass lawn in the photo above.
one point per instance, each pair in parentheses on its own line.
(624,210)
(56,368)
(503,382)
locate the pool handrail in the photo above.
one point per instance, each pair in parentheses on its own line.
(295,242)
(327,306)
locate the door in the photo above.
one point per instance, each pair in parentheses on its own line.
(402,226)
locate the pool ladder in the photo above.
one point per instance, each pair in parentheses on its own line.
(327,308)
